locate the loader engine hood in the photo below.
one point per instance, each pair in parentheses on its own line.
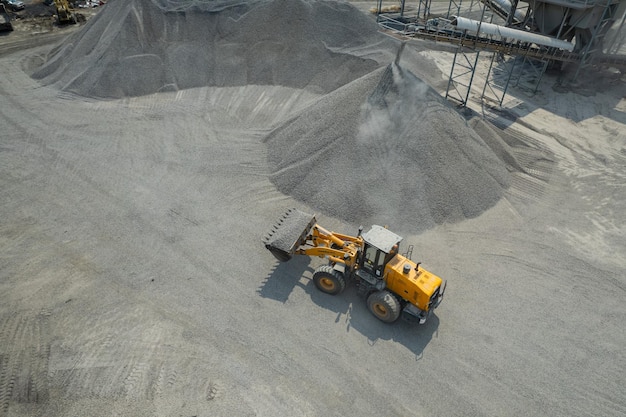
(415,284)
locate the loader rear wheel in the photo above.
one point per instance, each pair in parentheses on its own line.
(328,280)
(384,306)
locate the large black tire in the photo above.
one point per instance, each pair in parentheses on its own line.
(329,280)
(384,306)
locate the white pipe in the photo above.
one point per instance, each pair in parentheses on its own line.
(505,6)
(470,25)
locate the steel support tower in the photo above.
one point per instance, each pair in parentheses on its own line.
(582,24)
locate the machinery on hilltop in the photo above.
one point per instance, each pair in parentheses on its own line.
(393,284)
(64,12)
(5,20)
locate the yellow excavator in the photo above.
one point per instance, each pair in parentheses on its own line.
(64,12)
(393,284)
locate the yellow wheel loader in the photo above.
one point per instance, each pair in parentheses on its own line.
(393,284)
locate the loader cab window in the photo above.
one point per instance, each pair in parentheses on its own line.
(373,260)
(380,246)
(393,252)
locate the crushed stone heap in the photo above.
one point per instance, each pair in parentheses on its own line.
(138,47)
(379,146)
(386,149)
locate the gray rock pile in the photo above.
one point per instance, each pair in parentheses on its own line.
(379,146)
(138,47)
(386,149)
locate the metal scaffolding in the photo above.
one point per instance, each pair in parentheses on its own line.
(514,61)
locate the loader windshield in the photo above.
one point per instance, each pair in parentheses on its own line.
(373,260)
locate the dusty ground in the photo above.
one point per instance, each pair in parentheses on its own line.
(133,281)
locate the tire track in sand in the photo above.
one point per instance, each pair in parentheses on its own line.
(24,361)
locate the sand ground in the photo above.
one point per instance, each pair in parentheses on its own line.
(133,281)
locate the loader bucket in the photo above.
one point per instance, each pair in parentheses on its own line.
(289,233)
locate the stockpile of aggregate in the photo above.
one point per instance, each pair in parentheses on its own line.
(378,146)
(138,47)
(386,149)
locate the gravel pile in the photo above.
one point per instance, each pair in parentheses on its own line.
(138,47)
(386,149)
(378,147)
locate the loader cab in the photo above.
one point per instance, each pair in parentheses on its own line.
(380,246)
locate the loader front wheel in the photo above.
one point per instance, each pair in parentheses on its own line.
(384,306)
(328,280)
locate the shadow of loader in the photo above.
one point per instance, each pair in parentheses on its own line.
(282,279)
(351,308)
